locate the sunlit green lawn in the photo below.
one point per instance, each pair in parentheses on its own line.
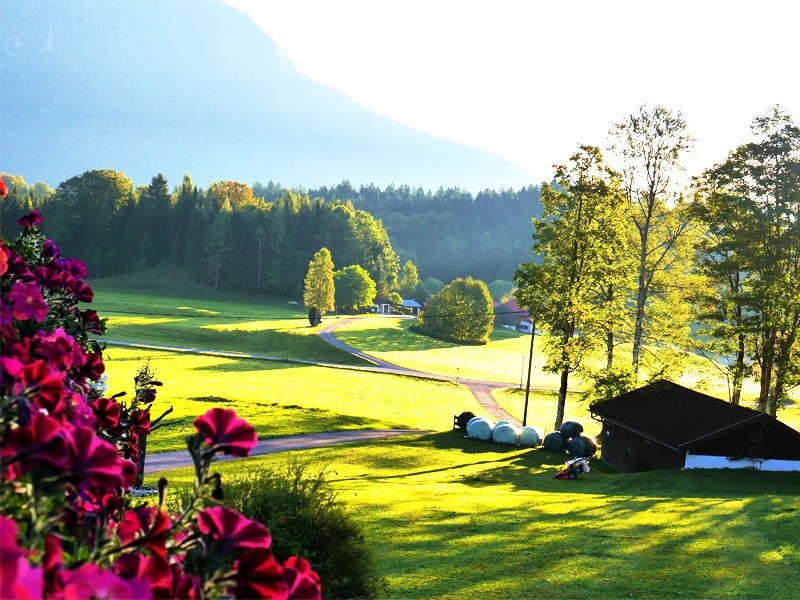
(282,399)
(217,322)
(449,517)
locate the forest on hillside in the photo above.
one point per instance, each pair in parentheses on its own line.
(234,237)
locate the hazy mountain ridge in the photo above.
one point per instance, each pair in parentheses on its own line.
(175,87)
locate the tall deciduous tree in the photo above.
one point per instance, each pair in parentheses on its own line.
(650,143)
(577,239)
(354,288)
(319,290)
(409,279)
(461,312)
(759,232)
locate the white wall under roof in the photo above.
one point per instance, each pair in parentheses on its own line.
(700,461)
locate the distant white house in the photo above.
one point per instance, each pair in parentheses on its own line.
(382,306)
(413,306)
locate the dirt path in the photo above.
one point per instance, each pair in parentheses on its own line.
(482,390)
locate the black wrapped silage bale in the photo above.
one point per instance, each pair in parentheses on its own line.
(555,442)
(582,445)
(571,429)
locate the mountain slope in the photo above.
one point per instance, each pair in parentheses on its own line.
(148,86)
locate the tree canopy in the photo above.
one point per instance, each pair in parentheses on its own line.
(461,312)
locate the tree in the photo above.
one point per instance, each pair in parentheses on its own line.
(354,288)
(577,238)
(409,279)
(756,251)
(318,294)
(649,144)
(461,312)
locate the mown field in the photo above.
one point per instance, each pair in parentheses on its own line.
(450,517)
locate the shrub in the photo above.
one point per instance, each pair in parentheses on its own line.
(306,518)
(463,419)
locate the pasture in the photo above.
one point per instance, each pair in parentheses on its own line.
(450,517)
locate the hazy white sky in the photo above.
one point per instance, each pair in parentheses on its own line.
(531,80)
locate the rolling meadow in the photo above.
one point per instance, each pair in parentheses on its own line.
(446,516)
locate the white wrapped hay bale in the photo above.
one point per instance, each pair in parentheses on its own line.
(505,434)
(530,436)
(480,429)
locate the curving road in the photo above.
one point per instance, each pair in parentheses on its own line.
(482,390)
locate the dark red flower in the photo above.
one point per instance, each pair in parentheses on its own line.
(140,421)
(53,566)
(74,267)
(146,522)
(93,368)
(303,582)
(3,259)
(154,569)
(231,530)
(225,432)
(259,575)
(59,348)
(107,412)
(183,585)
(50,250)
(17,266)
(43,385)
(3,188)
(27,302)
(39,447)
(31,219)
(50,277)
(91,321)
(93,462)
(82,291)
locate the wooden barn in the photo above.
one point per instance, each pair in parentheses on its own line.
(666,426)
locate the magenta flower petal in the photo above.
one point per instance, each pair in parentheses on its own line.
(226,432)
(27,302)
(232,530)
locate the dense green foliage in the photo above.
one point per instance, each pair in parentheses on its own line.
(318,291)
(461,312)
(448,233)
(224,236)
(750,207)
(306,518)
(579,237)
(354,289)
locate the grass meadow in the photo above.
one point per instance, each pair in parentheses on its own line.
(450,517)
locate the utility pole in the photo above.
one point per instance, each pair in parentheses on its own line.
(528,387)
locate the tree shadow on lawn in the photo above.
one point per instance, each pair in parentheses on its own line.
(614,548)
(535,469)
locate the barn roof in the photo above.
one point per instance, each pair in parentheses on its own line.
(676,416)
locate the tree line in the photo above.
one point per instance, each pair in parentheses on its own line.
(629,258)
(261,238)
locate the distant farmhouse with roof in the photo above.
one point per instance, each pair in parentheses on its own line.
(509,314)
(666,426)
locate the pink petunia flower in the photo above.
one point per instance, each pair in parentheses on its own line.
(107,412)
(18,579)
(31,219)
(225,432)
(59,348)
(303,582)
(259,575)
(93,462)
(27,302)
(43,385)
(231,530)
(149,523)
(90,581)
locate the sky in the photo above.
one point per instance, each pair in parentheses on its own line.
(532,80)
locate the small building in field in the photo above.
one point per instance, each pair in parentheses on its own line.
(509,314)
(666,426)
(412,306)
(382,306)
